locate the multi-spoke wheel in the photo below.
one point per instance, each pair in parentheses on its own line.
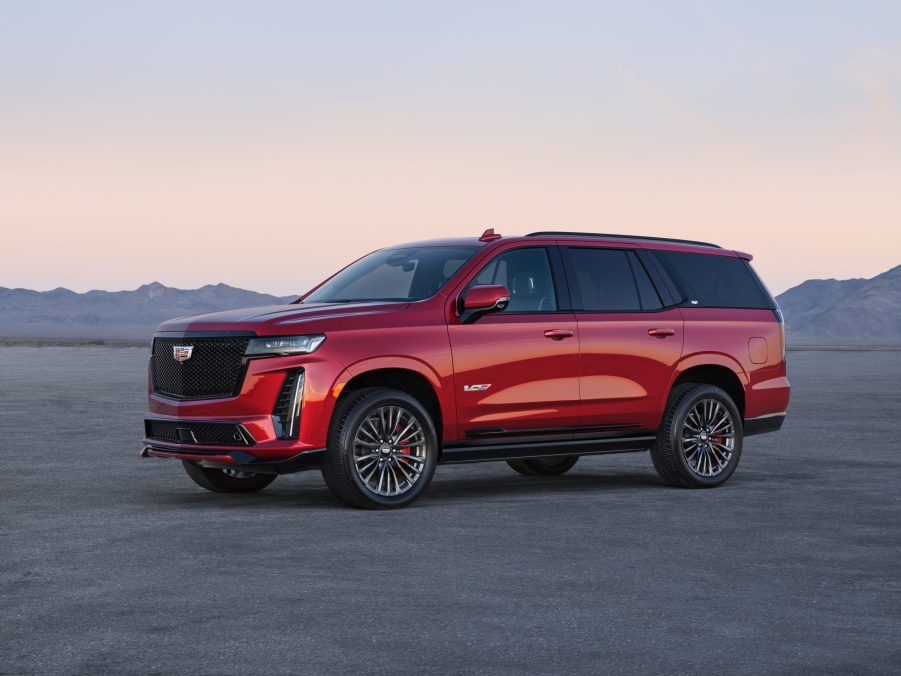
(708,437)
(699,442)
(389,451)
(227,480)
(382,449)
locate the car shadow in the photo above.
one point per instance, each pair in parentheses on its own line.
(452,488)
(445,487)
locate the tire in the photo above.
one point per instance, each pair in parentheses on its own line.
(552,466)
(365,466)
(700,439)
(226,481)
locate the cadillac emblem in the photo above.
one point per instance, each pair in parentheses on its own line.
(182,352)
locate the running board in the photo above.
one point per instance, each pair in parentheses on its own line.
(545,449)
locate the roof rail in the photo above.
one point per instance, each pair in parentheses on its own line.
(561,233)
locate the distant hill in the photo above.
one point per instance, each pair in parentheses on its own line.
(844,312)
(64,314)
(819,311)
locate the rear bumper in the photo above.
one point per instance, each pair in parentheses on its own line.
(763,424)
(243,459)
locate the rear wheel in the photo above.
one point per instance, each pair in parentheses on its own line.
(382,449)
(699,443)
(226,480)
(552,466)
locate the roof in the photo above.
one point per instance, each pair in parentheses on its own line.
(595,235)
(640,241)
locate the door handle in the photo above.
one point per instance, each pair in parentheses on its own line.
(558,334)
(661,333)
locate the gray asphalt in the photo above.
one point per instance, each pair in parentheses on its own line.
(113,564)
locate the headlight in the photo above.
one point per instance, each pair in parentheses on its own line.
(282,345)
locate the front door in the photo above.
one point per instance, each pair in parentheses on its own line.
(517,371)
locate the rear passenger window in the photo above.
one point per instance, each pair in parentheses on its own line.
(650,300)
(713,281)
(604,281)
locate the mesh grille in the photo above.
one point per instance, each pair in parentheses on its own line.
(214,369)
(214,434)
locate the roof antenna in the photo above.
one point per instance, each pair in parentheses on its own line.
(489,236)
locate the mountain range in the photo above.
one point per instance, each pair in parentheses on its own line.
(817,312)
(844,312)
(65,314)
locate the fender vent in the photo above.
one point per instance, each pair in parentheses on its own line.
(286,415)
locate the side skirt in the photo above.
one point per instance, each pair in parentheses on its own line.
(469,452)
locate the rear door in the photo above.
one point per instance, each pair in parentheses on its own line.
(629,343)
(516,372)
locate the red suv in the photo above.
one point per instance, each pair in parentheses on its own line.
(533,350)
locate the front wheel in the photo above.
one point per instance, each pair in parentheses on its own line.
(382,449)
(699,443)
(226,480)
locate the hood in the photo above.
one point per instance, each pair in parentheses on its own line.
(274,320)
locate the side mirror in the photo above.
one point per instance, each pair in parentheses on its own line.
(480,300)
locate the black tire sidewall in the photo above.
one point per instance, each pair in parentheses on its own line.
(685,405)
(346,430)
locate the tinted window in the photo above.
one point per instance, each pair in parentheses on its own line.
(604,281)
(394,274)
(713,281)
(650,300)
(527,275)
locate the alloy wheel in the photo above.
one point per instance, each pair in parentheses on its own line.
(708,438)
(389,451)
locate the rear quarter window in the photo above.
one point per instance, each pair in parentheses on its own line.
(714,281)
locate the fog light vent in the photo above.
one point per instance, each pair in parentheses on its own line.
(286,416)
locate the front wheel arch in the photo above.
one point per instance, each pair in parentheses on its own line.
(410,376)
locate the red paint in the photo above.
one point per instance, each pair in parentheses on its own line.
(486,296)
(544,370)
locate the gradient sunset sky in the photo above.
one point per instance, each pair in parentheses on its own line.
(266,144)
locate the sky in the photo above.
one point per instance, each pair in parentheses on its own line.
(267,144)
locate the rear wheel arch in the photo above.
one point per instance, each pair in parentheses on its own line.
(718,374)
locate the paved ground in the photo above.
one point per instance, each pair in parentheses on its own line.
(112,564)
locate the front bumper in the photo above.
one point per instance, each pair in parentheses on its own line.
(252,409)
(236,458)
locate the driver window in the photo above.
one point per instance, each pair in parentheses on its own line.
(527,275)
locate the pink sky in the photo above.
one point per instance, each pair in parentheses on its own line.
(267,151)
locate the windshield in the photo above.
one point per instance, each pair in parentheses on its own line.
(394,275)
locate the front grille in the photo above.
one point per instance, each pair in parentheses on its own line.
(214,368)
(187,432)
